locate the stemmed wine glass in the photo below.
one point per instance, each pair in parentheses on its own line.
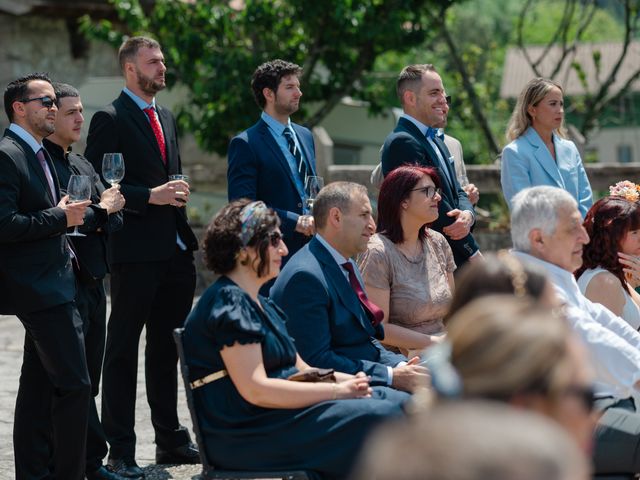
(312,187)
(79,190)
(113,168)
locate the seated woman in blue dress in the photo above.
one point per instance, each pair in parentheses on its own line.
(251,416)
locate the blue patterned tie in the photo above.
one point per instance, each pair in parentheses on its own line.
(295,151)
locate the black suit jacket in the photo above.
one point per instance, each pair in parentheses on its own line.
(258,170)
(149,231)
(407,145)
(91,250)
(35,267)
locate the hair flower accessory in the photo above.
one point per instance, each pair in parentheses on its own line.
(625,189)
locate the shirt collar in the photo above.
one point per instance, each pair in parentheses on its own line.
(139,101)
(559,276)
(274,125)
(337,256)
(421,126)
(26,136)
(55,150)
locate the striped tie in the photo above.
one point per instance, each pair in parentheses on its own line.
(303,171)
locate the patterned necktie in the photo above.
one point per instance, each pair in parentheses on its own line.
(157,131)
(47,173)
(431,133)
(295,151)
(374,312)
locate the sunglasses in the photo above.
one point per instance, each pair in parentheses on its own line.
(585,394)
(275,238)
(429,191)
(47,102)
(448,99)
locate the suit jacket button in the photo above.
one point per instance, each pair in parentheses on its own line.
(299,205)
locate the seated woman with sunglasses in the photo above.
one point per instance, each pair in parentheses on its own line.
(408,268)
(240,356)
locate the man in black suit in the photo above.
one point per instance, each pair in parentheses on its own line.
(103,216)
(151,260)
(414,140)
(38,285)
(271,160)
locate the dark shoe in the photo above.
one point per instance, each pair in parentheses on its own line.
(184,454)
(125,467)
(103,474)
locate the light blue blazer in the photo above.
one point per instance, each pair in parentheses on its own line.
(527,162)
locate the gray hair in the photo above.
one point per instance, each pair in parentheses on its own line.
(336,194)
(537,207)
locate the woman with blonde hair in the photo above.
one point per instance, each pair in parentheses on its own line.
(539,152)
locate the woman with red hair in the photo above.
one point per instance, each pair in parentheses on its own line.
(613,225)
(408,268)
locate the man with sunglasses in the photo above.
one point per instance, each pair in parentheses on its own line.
(37,284)
(547,231)
(415,141)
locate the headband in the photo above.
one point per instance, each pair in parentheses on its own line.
(251,217)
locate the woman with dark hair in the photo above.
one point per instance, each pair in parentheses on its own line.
(253,416)
(408,268)
(613,225)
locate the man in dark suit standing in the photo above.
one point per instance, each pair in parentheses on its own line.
(271,160)
(38,285)
(415,140)
(103,216)
(151,260)
(321,291)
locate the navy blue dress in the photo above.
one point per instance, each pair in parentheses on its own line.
(324,438)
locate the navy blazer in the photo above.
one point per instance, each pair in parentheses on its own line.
(325,318)
(258,170)
(35,266)
(407,145)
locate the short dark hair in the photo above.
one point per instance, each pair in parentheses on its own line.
(64,90)
(410,78)
(18,90)
(269,75)
(222,242)
(394,190)
(336,194)
(129,48)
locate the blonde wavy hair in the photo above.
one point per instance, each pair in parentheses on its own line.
(531,95)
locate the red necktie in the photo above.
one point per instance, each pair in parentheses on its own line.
(374,312)
(157,131)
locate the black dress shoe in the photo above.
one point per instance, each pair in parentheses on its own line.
(125,467)
(103,474)
(184,454)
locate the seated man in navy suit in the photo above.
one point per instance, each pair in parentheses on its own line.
(272,160)
(320,289)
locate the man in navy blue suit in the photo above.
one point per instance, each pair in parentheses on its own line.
(321,291)
(414,140)
(271,160)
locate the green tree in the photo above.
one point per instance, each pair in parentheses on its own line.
(212,49)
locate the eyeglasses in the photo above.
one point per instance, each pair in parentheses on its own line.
(584,393)
(47,102)
(429,191)
(275,238)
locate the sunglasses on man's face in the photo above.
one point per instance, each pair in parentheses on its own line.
(275,238)
(46,101)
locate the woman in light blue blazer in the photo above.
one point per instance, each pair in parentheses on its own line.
(539,153)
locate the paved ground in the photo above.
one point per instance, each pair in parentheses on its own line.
(11,341)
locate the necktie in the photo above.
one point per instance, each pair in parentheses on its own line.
(47,173)
(295,151)
(157,131)
(374,312)
(431,133)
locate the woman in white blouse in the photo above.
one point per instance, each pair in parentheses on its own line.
(607,275)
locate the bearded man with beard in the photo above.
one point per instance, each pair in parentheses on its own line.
(150,258)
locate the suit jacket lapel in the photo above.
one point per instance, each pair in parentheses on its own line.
(341,285)
(543,156)
(271,144)
(167,129)
(142,122)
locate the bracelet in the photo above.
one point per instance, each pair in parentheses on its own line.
(335,391)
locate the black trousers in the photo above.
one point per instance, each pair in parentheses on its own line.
(617,437)
(158,296)
(53,396)
(92,305)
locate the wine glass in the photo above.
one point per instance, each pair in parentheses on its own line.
(313,185)
(79,190)
(113,168)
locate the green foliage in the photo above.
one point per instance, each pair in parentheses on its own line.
(213,50)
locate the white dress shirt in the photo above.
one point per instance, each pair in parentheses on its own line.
(613,345)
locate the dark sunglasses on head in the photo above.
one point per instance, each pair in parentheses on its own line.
(46,101)
(275,238)
(430,192)
(584,393)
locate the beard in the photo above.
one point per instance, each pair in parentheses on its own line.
(148,85)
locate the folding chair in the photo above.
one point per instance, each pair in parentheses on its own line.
(208,469)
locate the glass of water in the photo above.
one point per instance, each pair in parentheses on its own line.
(79,190)
(113,168)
